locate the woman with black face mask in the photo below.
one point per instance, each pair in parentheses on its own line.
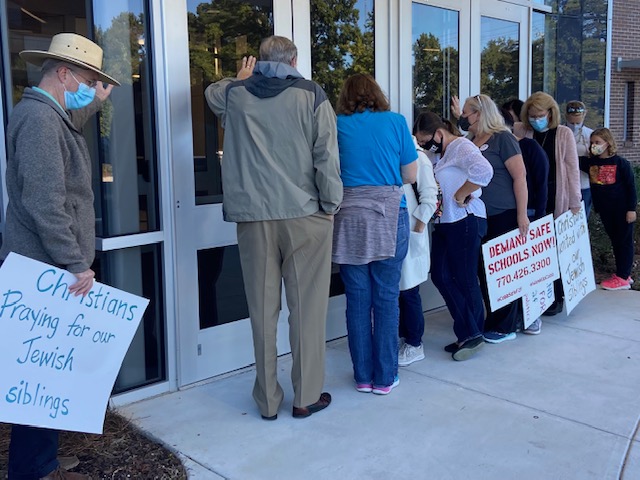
(505,197)
(461,172)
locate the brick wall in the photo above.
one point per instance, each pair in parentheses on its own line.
(624,43)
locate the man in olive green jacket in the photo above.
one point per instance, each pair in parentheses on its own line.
(281,183)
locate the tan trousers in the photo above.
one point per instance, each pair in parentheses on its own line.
(299,251)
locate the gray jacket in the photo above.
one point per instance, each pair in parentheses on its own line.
(280,145)
(50,215)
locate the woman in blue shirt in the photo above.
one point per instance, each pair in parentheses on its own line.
(377,156)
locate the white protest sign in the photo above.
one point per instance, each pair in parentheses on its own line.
(536,302)
(574,255)
(515,265)
(60,354)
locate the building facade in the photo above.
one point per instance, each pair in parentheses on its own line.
(156,147)
(624,95)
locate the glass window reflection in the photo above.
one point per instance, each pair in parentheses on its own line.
(500,59)
(342,43)
(138,270)
(569,54)
(220,34)
(126,176)
(220,287)
(435,58)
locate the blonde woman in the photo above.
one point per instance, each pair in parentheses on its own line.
(541,121)
(505,197)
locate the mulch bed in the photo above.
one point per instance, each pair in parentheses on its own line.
(121,452)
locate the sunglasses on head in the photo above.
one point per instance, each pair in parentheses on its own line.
(575,109)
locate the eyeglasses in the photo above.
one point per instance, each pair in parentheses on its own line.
(89,83)
(572,109)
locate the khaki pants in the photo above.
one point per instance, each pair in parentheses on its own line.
(299,251)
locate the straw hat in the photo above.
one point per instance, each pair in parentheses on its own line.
(74,49)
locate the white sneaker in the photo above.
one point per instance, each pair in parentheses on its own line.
(535,328)
(409,354)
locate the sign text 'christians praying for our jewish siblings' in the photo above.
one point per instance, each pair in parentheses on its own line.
(60,353)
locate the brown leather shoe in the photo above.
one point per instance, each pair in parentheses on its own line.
(321,404)
(61,474)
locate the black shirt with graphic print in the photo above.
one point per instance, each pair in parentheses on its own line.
(612,183)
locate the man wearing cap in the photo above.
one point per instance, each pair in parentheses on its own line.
(50,214)
(576,112)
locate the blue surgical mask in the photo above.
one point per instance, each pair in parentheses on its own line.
(81,98)
(539,124)
(575,127)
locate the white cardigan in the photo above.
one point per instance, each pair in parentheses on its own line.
(415,268)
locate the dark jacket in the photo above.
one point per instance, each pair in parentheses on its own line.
(612,183)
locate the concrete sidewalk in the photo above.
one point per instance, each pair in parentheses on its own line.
(561,405)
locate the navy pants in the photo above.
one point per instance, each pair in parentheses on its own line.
(621,234)
(455,251)
(411,316)
(33,452)
(507,318)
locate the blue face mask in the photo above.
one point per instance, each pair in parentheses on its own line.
(81,98)
(539,124)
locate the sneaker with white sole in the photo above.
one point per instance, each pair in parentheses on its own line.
(498,337)
(387,390)
(409,354)
(364,387)
(615,283)
(535,328)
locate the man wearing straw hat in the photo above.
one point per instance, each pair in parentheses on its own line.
(50,214)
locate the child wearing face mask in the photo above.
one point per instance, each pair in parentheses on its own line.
(575,115)
(614,198)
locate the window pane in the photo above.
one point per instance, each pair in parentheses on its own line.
(342,42)
(220,34)
(435,58)
(569,54)
(220,287)
(125,181)
(138,270)
(500,62)
(540,68)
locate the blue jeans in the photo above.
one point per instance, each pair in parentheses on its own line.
(33,452)
(455,251)
(372,312)
(411,316)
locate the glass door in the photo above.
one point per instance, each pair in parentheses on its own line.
(436,44)
(502,51)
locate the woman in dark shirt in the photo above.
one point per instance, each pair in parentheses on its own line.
(505,197)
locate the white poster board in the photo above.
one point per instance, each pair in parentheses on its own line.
(60,354)
(574,255)
(536,302)
(516,265)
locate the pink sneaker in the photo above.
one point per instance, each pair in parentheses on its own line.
(364,387)
(386,390)
(615,283)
